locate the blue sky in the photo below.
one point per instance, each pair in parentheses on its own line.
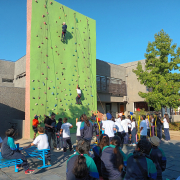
(123,27)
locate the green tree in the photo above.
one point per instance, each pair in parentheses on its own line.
(162,57)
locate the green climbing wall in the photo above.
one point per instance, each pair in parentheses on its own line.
(57,67)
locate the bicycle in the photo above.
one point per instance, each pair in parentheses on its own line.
(14,126)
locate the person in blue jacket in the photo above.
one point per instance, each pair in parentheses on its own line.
(111,160)
(80,166)
(86,128)
(158,157)
(64,27)
(139,164)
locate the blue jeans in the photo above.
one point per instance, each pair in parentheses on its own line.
(59,141)
(143,137)
(166,132)
(133,138)
(126,138)
(159,132)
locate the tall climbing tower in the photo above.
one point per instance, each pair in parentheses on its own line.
(54,68)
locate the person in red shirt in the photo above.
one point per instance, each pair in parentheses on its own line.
(35,123)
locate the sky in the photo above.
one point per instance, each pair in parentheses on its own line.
(123,27)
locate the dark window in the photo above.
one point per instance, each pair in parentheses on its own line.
(7,80)
(108,107)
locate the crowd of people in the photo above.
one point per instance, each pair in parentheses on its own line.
(108,161)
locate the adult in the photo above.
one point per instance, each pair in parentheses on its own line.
(108,115)
(159,127)
(64,27)
(78,101)
(51,123)
(139,166)
(143,127)
(78,124)
(120,132)
(118,119)
(125,122)
(108,127)
(152,124)
(166,127)
(147,125)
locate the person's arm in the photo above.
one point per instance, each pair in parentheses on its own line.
(76,121)
(82,129)
(29,146)
(70,126)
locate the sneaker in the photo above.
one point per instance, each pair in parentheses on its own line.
(18,166)
(134,144)
(49,162)
(61,149)
(58,149)
(29,171)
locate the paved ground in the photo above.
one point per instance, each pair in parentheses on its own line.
(58,169)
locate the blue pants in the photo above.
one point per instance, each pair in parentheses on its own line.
(59,141)
(126,138)
(166,132)
(159,132)
(78,101)
(133,138)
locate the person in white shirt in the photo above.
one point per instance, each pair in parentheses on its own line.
(143,127)
(152,124)
(120,132)
(118,119)
(133,131)
(78,132)
(148,127)
(78,101)
(109,128)
(66,134)
(41,142)
(166,127)
(125,123)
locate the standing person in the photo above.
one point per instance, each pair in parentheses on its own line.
(78,98)
(139,166)
(120,132)
(148,128)
(143,127)
(159,127)
(64,27)
(86,128)
(78,124)
(125,123)
(133,131)
(41,142)
(51,123)
(98,127)
(129,128)
(80,165)
(109,128)
(45,120)
(112,159)
(152,125)
(35,123)
(9,151)
(118,119)
(166,127)
(59,136)
(108,115)
(0,143)
(157,156)
(66,134)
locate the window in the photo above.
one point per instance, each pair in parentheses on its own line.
(7,80)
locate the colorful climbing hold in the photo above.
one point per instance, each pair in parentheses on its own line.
(75,50)
(72,28)
(43,15)
(51,2)
(45,6)
(33,97)
(36,35)
(36,104)
(38,97)
(52,93)
(55,105)
(32,80)
(42,73)
(33,88)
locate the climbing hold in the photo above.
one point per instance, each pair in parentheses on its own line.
(33,88)
(46,38)
(76,80)
(38,97)
(71,79)
(91,95)
(58,54)
(57,78)
(55,46)
(42,73)
(65,94)
(83,32)
(73,75)
(42,43)
(43,15)
(63,49)
(33,97)
(63,68)
(36,1)
(75,43)
(38,80)
(51,81)
(36,35)
(58,36)
(64,89)
(46,78)
(72,28)
(46,55)
(52,93)
(51,48)
(51,2)
(39,46)
(53,87)
(65,15)
(55,105)
(59,17)
(45,23)
(84,40)
(49,88)
(60,100)
(53,109)
(42,104)
(32,80)
(45,6)
(59,82)
(75,70)
(36,104)
(47,12)
(75,50)
(73,55)
(61,62)
(64,109)
(39,88)
(44,92)
(76,20)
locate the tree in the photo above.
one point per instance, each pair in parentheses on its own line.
(161,59)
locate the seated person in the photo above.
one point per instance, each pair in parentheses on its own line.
(9,151)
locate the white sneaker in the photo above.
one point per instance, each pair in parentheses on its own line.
(61,149)
(57,149)
(134,144)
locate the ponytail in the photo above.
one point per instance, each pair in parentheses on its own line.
(85,119)
(167,118)
(119,158)
(80,168)
(104,141)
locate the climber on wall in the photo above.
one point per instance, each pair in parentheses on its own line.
(78,101)
(64,27)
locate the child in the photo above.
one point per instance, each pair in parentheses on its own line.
(112,160)
(129,128)
(139,166)
(9,151)
(41,142)
(78,124)
(66,134)
(98,127)
(59,137)
(35,123)
(64,27)
(86,128)
(158,157)
(133,131)
(78,101)
(80,165)
(166,127)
